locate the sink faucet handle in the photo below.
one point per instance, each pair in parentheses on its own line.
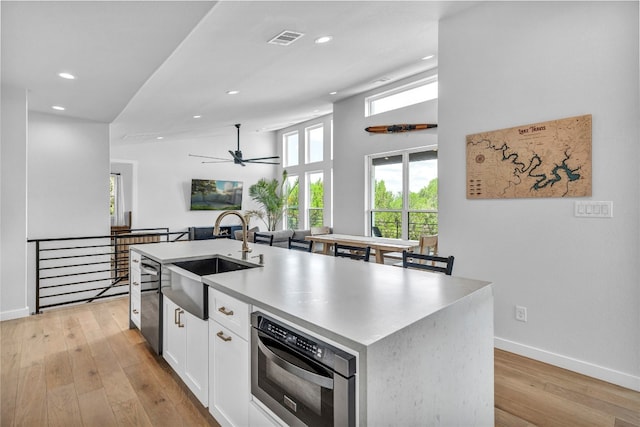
(260,258)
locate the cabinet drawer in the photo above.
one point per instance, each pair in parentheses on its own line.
(135,279)
(135,259)
(134,308)
(230,312)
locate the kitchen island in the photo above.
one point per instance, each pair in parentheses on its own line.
(424,341)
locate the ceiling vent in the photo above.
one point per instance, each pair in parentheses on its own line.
(286,37)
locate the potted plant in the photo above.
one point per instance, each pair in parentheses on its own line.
(272,195)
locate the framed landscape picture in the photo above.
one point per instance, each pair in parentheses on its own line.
(215,194)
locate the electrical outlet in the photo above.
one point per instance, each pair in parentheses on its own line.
(521,313)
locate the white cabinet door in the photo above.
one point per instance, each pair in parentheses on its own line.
(259,418)
(184,341)
(173,335)
(196,362)
(135,277)
(228,376)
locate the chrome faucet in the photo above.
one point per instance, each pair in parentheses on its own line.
(245,225)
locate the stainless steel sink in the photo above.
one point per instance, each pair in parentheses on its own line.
(186,288)
(214,265)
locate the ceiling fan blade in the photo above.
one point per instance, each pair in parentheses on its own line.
(207,157)
(261,158)
(217,161)
(259,161)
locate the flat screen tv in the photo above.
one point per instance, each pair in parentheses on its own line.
(215,195)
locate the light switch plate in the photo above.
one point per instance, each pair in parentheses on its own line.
(591,209)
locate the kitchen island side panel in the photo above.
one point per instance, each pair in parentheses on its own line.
(438,371)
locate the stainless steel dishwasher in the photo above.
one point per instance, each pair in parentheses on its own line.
(150,304)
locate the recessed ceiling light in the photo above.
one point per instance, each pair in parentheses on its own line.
(333,93)
(233,92)
(323,39)
(57,107)
(160,137)
(196,117)
(67,76)
(428,57)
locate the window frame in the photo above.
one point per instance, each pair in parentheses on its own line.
(307,142)
(285,149)
(302,169)
(370,100)
(406,212)
(308,208)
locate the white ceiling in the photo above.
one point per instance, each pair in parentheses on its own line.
(148,67)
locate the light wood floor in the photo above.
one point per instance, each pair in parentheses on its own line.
(83,366)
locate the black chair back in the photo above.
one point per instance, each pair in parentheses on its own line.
(353,252)
(300,245)
(264,239)
(428,262)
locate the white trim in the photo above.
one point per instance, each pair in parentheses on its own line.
(14,314)
(622,379)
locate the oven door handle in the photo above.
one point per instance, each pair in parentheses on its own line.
(319,380)
(148,269)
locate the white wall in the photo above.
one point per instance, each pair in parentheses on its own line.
(13,204)
(503,64)
(351,143)
(68,190)
(165,170)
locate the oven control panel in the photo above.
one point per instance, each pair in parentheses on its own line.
(292,339)
(306,345)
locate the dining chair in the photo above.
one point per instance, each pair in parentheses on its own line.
(353,252)
(263,238)
(427,245)
(300,245)
(428,262)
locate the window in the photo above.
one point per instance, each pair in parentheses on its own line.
(315,199)
(290,149)
(113,188)
(424,90)
(116,200)
(315,143)
(404,193)
(291,212)
(307,151)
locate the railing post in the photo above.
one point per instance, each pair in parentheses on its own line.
(37,277)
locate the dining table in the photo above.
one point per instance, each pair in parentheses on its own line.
(380,245)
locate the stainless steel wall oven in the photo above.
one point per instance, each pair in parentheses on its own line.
(303,380)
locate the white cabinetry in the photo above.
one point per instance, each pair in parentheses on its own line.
(259,418)
(185,347)
(229,362)
(135,278)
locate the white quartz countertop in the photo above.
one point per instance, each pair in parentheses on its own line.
(352,302)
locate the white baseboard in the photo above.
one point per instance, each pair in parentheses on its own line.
(585,368)
(14,314)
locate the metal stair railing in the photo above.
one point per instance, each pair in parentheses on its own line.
(71,270)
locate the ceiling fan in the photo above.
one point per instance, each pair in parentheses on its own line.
(236,156)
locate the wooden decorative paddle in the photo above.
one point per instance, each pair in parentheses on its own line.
(399,128)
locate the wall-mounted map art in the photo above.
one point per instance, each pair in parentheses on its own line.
(550,159)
